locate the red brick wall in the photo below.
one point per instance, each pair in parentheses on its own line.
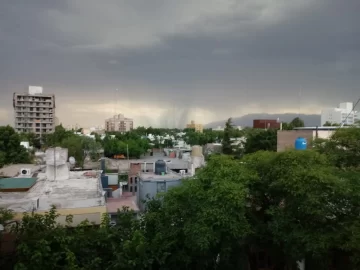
(265,123)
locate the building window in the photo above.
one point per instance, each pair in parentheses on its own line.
(161,187)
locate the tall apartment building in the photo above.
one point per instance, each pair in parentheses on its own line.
(197,127)
(119,123)
(34,111)
(342,114)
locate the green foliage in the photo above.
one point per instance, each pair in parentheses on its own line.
(74,144)
(32,138)
(329,124)
(10,149)
(5,215)
(260,139)
(226,142)
(296,122)
(121,145)
(292,205)
(343,147)
(44,244)
(56,138)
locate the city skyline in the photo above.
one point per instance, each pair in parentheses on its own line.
(199,60)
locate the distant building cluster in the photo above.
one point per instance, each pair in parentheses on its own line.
(197,127)
(119,123)
(34,111)
(343,114)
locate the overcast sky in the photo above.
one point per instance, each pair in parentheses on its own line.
(176,60)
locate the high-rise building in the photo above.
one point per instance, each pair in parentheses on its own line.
(344,114)
(34,111)
(197,127)
(119,123)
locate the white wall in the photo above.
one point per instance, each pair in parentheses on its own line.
(323,134)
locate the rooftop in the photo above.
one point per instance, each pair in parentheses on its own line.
(80,190)
(151,176)
(320,128)
(172,163)
(126,200)
(14,170)
(16,183)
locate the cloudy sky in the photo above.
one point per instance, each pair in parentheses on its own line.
(176,60)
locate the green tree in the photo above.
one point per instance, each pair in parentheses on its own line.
(342,148)
(297,122)
(191,226)
(56,138)
(226,142)
(44,244)
(296,197)
(74,144)
(32,138)
(260,139)
(10,149)
(329,124)
(92,148)
(5,215)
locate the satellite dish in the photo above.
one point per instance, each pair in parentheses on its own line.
(72,160)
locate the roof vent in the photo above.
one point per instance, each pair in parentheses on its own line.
(25,172)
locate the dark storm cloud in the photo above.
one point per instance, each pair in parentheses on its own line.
(184,55)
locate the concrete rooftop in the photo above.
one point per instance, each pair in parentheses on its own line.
(126,200)
(80,190)
(151,176)
(123,164)
(14,170)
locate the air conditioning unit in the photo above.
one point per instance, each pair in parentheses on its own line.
(182,172)
(25,172)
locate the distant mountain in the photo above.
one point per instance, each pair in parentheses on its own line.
(310,120)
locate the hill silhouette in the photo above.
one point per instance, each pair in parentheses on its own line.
(247,120)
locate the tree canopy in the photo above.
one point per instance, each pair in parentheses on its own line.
(10,149)
(280,206)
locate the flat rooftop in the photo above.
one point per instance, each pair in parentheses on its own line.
(172,163)
(14,170)
(16,183)
(320,128)
(151,176)
(80,190)
(126,200)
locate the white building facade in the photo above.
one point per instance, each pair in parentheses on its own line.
(344,113)
(119,123)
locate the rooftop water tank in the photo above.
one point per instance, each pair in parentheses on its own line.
(160,167)
(300,143)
